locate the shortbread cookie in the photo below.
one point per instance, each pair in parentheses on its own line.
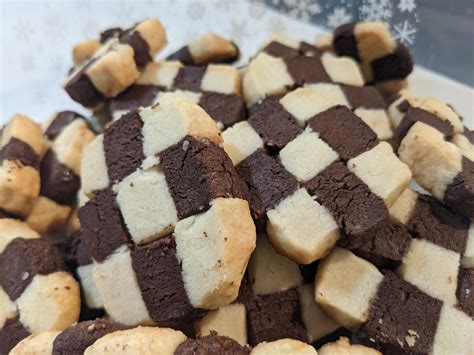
(84,50)
(207,48)
(405,110)
(465,142)
(161,188)
(278,304)
(36,292)
(440,167)
(384,63)
(101,336)
(211,344)
(386,247)
(365,101)
(344,347)
(216,88)
(278,68)
(229,320)
(78,337)
(67,133)
(20,154)
(80,260)
(443,242)
(281,45)
(398,105)
(116,64)
(324,42)
(308,201)
(284,346)
(390,312)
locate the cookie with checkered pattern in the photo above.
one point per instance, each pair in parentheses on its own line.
(387,310)
(278,68)
(207,48)
(405,110)
(278,302)
(343,346)
(36,292)
(345,191)
(384,63)
(281,45)
(440,260)
(66,134)
(20,155)
(284,346)
(84,50)
(161,187)
(216,88)
(100,336)
(440,167)
(116,64)
(212,344)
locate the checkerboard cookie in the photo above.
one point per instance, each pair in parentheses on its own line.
(440,167)
(443,247)
(284,346)
(390,312)
(405,110)
(280,67)
(66,134)
(101,336)
(282,45)
(308,201)
(36,292)
(343,346)
(386,246)
(84,50)
(384,63)
(116,64)
(212,344)
(80,260)
(365,101)
(20,154)
(161,188)
(207,48)
(276,303)
(216,88)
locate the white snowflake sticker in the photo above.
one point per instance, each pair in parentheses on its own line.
(338,17)
(407,5)
(376,10)
(300,9)
(404,32)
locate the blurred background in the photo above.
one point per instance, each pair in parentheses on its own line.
(37,37)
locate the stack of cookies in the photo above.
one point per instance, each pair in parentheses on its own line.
(207,209)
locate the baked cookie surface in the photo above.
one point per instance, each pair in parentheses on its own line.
(162,188)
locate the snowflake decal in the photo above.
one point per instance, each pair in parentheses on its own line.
(407,5)
(300,9)
(338,17)
(376,10)
(404,32)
